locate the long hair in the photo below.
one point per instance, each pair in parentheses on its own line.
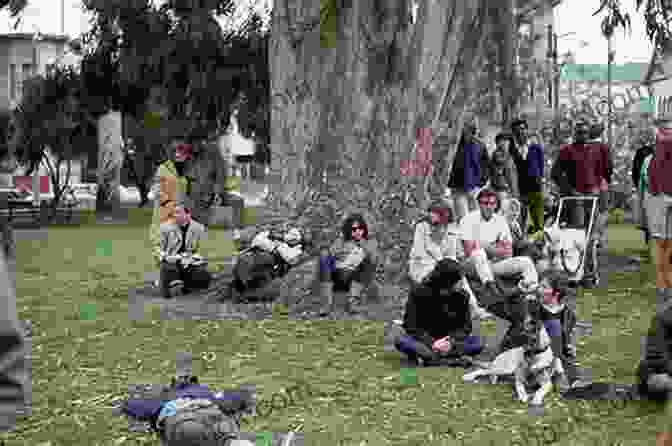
(346,229)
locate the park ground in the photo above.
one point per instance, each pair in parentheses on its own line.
(73,284)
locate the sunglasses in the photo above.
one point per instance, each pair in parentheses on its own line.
(357,228)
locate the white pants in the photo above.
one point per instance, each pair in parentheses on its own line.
(487,270)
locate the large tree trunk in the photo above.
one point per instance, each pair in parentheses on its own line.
(110,160)
(351,113)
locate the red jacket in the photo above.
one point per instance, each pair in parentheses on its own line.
(660,179)
(585,165)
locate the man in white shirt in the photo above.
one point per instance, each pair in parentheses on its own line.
(488,251)
(488,245)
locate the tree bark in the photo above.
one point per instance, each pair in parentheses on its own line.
(110,160)
(352,112)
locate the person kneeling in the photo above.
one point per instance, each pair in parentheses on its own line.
(178,252)
(437,320)
(349,264)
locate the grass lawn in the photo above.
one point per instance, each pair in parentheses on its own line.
(356,392)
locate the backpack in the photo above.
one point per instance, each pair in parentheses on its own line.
(198,422)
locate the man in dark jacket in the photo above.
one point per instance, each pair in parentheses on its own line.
(647,149)
(469,171)
(14,370)
(438,321)
(529,160)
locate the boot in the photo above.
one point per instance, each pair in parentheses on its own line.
(327,297)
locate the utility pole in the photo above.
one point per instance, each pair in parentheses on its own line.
(610,60)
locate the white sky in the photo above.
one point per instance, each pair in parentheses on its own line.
(577,16)
(45,15)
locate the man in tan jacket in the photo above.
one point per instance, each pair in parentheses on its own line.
(170,184)
(178,252)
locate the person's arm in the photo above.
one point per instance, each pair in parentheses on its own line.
(504,244)
(559,173)
(413,322)
(636,168)
(422,241)
(159,250)
(469,241)
(513,177)
(14,369)
(471,180)
(608,163)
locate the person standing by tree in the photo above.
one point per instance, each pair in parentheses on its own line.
(170,183)
(595,138)
(659,207)
(470,170)
(529,160)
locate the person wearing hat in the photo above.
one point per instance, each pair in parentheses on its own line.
(436,246)
(181,264)
(659,207)
(170,181)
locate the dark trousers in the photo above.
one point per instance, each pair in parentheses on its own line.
(514,309)
(237,204)
(194,277)
(364,273)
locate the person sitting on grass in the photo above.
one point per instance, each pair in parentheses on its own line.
(276,251)
(559,319)
(438,325)
(178,252)
(435,243)
(349,264)
(188,413)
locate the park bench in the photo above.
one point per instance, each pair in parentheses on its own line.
(22,213)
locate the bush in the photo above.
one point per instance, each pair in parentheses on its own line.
(616,216)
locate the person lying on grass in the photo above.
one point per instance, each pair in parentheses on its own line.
(181,264)
(437,320)
(436,243)
(188,413)
(349,264)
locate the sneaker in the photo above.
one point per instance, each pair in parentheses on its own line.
(174,288)
(482,314)
(236,235)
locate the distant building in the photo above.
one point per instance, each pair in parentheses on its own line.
(23,55)
(658,78)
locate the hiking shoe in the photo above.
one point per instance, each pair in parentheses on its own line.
(173,289)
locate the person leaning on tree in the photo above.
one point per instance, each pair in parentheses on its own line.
(469,171)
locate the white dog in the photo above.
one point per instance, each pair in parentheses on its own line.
(527,368)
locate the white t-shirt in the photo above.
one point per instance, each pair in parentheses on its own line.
(474,227)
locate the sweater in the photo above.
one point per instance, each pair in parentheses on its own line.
(530,170)
(660,181)
(426,253)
